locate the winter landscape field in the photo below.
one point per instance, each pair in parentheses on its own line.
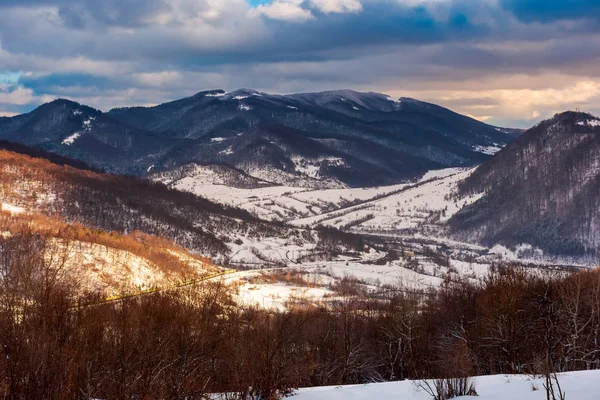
(306,199)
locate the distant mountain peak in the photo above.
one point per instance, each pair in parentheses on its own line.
(66,104)
(61,100)
(567,122)
(572,117)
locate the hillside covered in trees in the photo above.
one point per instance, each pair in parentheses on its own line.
(542,189)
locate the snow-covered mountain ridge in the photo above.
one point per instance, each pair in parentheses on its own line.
(329,139)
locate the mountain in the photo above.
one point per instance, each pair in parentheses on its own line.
(327,139)
(543,189)
(71,129)
(353,138)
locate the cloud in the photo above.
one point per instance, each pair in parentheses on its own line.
(284,10)
(337,6)
(300,10)
(15,95)
(478,57)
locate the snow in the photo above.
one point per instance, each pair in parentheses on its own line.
(407,209)
(12,209)
(589,122)
(292,178)
(217,139)
(244,107)
(311,167)
(112,271)
(87,127)
(278,295)
(150,168)
(441,173)
(581,385)
(489,150)
(308,169)
(372,274)
(87,124)
(69,140)
(77,112)
(240,97)
(215,95)
(259,201)
(306,206)
(292,107)
(413,213)
(356,108)
(228,151)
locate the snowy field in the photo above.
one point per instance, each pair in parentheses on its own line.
(429,202)
(305,205)
(409,216)
(583,385)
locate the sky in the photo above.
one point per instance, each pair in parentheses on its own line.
(506,62)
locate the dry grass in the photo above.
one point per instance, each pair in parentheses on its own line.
(165,255)
(32,182)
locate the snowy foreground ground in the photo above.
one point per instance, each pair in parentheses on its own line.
(583,385)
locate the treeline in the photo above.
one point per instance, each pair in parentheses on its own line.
(187,344)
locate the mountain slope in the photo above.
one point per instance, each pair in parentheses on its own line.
(71,129)
(371,139)
(103,263)
(328,139)
(542,189)
(126,204)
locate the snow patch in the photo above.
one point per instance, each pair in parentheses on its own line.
(441,173)
(217,139)
(10,208)
(311,167)
(589,122)
(489,150)
(277,296)
(87,127)
(227,151)
(244,107)
(69,140)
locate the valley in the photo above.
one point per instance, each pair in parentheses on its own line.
(378,237)
(248,255)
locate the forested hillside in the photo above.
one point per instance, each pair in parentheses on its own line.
(328,139)
(542,189)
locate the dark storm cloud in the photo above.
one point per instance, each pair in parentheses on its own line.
(48,83)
